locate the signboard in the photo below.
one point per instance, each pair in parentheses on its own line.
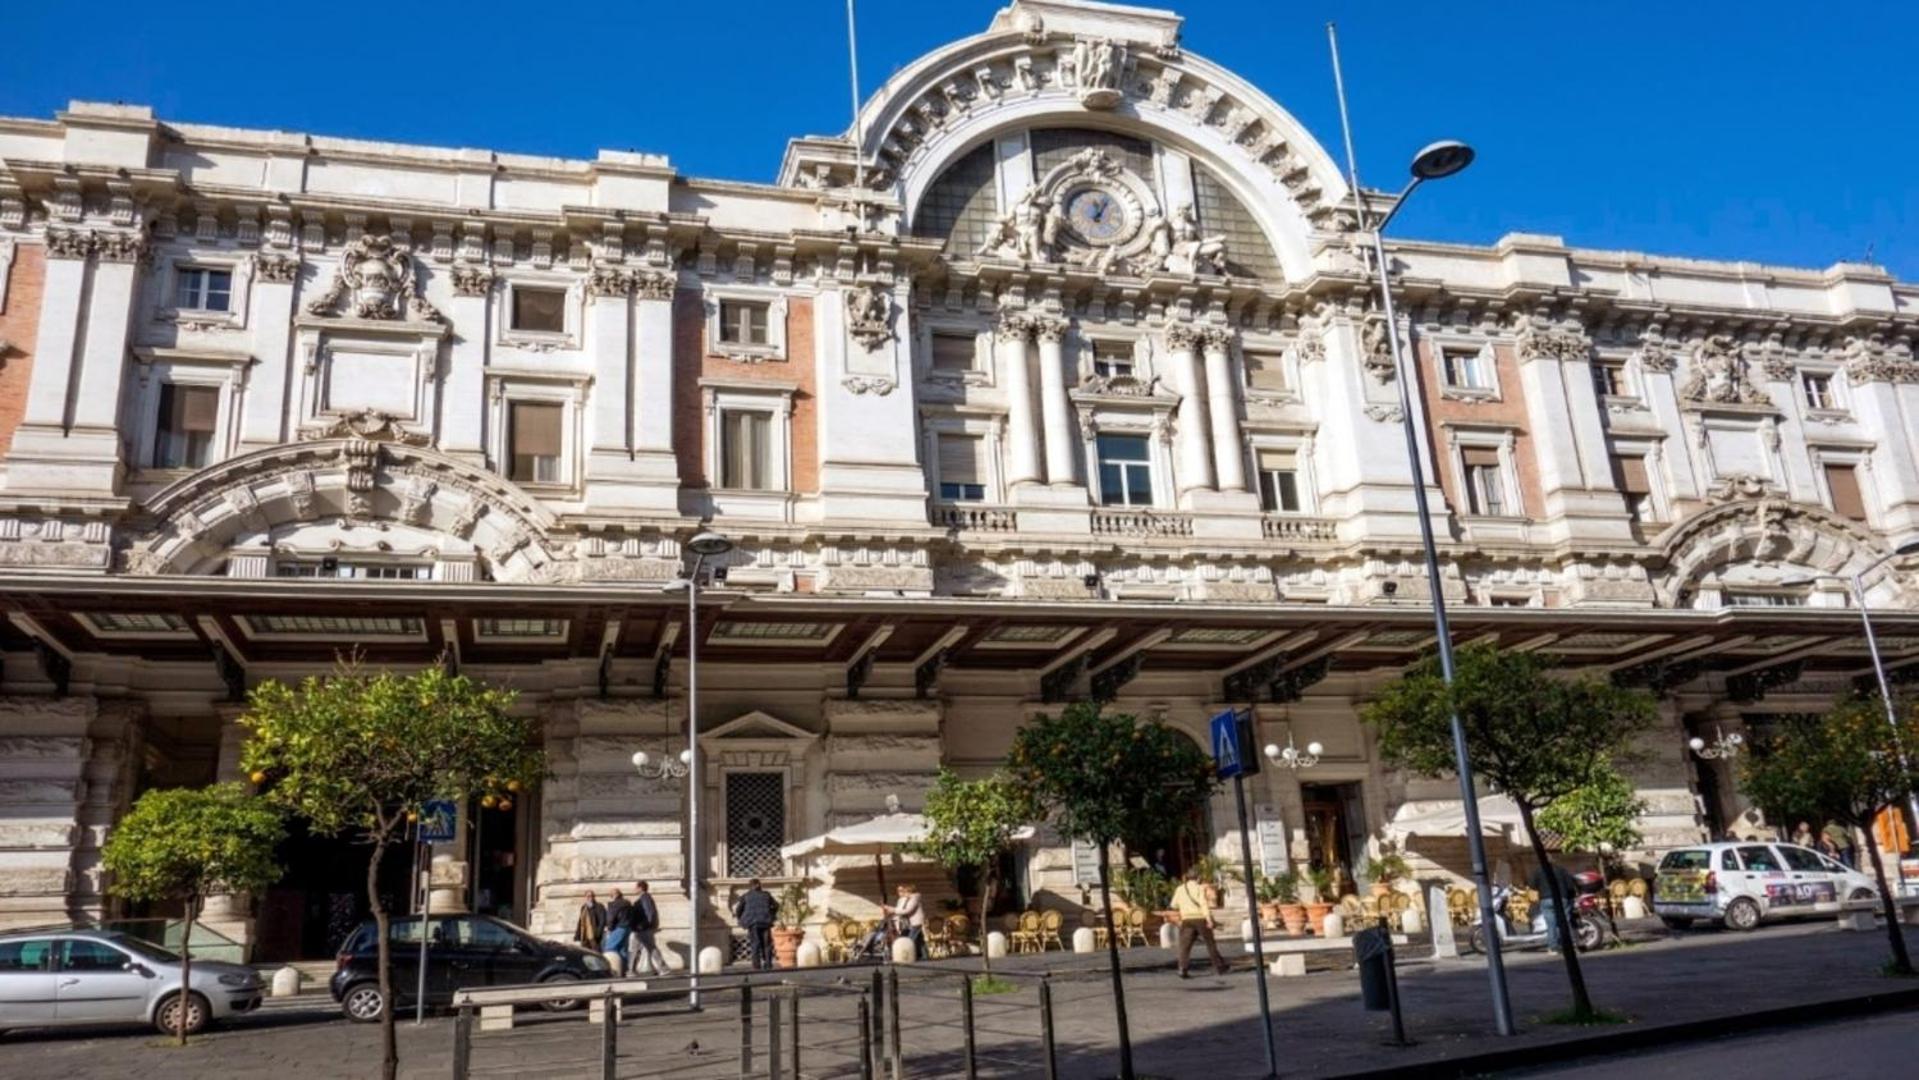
(1085,864)
(1233,750)
(438,822)
(1272,839)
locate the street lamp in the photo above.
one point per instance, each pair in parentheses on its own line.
(1436,162)
(1856,585)
(664,768)
(704,545)
(1722,745)
(1290,755)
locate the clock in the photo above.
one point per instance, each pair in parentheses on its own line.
(1098,215)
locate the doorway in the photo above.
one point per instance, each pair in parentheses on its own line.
(321,899)
(1334,817)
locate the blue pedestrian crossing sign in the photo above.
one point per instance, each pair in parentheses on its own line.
(1232,738)
(438,820)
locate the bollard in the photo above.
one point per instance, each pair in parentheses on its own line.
(866,1045)
(1084,940)
(609,1037)
(966,1018)
(773,1043)
(1392,988)
(879,1017)
(793,1004)
(893,1021)
(1046,1025)
(462,1044)
(746,1031)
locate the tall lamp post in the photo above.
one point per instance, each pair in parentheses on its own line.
(1856,585)
(1436,162)
(704,545)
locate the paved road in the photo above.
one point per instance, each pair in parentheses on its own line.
(1877,1046)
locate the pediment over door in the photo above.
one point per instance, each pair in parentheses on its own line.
(756,739)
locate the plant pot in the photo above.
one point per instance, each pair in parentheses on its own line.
(1293,917)
(1316,912)
(786,946)
(1269,912)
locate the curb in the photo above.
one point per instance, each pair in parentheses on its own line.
(1622,1039)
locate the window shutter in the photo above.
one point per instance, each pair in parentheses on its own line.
(953,352)
(1277,461)
(536,430)
(962,459)
(1843,482)
(1630,474)
(1479,455)
(197,406)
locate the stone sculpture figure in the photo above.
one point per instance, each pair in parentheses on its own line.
(1099,64)
(1028,231)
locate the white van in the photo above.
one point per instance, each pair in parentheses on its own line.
(1739,884)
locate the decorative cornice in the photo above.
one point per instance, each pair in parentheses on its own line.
(112,245)
(1869,360)
(472,280)
(277,269)
(69,243)
(609,281)
(648,285)
(1550,343)
(1013,326)
(1183,336)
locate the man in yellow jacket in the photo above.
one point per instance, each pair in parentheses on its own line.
(1195,921)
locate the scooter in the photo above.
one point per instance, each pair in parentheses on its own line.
(1586,930)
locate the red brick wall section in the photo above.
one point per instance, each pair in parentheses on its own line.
(1509,409)
(692,362)
(19,328)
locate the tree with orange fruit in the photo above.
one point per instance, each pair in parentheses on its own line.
(361,753)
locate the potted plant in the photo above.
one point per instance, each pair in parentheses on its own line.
(1321,903)
(794,911)
(1266,891)
(1292,914)
(1387,868)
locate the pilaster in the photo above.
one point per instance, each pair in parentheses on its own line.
(463,416)
(1010,343)
(656,468)
(1055,407)
(1193,456)
(1574,477)
(263,418)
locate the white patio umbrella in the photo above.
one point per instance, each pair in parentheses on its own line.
(879,837)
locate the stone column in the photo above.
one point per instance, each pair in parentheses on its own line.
(67,440)
(231,914)
(109,315)
(263,419)
(1055,406)
(1010,339)
(1883,396)
(656,466)
(609,345)
(463,393)
(1229,458)
(1193,465)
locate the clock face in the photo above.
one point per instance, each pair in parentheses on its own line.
(1097,215)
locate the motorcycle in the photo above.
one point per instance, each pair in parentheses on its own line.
(1587,930)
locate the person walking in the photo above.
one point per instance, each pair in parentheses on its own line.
(756,912)
(1195,921)
(1839,843)
(590,931)
(618,926)
(909,915)
(643,919)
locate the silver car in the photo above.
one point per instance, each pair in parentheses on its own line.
(62,978)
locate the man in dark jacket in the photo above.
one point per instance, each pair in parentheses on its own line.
(619,922)
(756,912)
(591,929)
(644,918)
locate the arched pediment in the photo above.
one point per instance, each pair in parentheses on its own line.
(1110,70)
(362,495)
(1793,537)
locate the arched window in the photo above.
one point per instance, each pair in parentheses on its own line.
(1053,146)
(1221,213)
(962,205)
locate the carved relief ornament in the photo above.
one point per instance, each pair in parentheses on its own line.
(1720,375)
(869,315)
(376,280)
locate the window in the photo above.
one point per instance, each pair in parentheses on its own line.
(1265,370)
(485,935)
(1221,213)
(367,626)
(962,206)
(535,628)
(768,631)
(533,433)
(1609,378)
(746,456)
(84,955)
(188,416)
(539,310)
(115,622)
(1728,860)
(1278,481)
(743,322)
(1818,390)
(1125,470)
(1759,858)
(1756,598)
(1485,487)
(1842,483)
(755,824)
(334,568)
(1629,474)
(1508,600)
(1800,859)
(200,289)
(962,468)
(953,352)
(1032,634)
(35,955)
(1464,369)
(1113,359)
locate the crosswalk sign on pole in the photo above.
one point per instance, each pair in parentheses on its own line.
(1228,745)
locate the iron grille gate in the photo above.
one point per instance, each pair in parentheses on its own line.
(755,824)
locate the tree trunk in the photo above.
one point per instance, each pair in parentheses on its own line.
(186,970)
(1901,960)
(1562,914)
(985,901)
(389,1040)
(1112,962)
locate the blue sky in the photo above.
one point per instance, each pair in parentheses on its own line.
(1780,132)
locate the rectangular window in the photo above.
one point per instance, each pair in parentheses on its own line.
(1113,359)
(334,568)
(1629,473)
(1125,470)
(953,352)
(1464,369)
(1265,370)
(201,289)
(1278,481)
(743,322)
(184,439)
(533,433)
(1842,482)
(1609,378)
(746,452)
(1818,390)
(1485,489)
(361,626)
(755,824)
(1749,598)
(962,468)
(539,310)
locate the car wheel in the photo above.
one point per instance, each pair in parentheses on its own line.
(363,1002)
(1675,922)
(167,1017)
(560,1004)
(1476,939)
(1859,895)
(1587,934)
(1742,914)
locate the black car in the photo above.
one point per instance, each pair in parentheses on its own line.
(464,951)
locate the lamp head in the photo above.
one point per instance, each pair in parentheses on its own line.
(1441,159)
(639,759)
(1314,749)
(686,757)
(1696,743)
(1272,752)
(709,543)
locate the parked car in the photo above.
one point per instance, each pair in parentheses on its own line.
(68,977)
(464,951)
(1740,884)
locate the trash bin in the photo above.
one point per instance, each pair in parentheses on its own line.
(1372,951)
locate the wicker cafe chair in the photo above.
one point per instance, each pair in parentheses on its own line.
(1637,888)
(957,935)
(852,936)
(1092,921)
(1133,931)
(1460,904)
(1026,937)
(1050,923)
(832,942)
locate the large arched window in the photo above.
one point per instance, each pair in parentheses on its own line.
(962,205)
(1221,213)
(1054,146)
